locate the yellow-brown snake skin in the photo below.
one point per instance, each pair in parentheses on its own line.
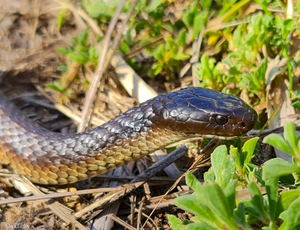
(52,158)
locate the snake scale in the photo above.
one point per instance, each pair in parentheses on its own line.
(52,158)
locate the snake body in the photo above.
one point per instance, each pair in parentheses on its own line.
(52,158)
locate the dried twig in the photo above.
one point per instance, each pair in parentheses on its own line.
(109,198)
(56,195)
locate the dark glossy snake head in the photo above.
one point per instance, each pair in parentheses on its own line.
(199,111)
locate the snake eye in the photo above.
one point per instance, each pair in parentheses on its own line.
(221,120)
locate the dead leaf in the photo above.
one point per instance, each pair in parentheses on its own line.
(279,106)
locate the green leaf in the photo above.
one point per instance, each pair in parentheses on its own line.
(263,4)
(237,156)
(257,200)
(223,165)
(206,5)
(272,193)
(68,93)
(189,14)
(144,42)
(63,68)
(82,39)
(233,9)
(153,5)
(93,55)
(240,216)
(277,168)
(56,87)
(228,170)
(128,37)
(175,223)
(296,105)
(278,142)
(62,51)
(290,136)
(159,52)
(252,215)
(172,46)
(79,57)
(124,48)
(291,216)
(287,28)
(200,226)
(181,56)
(199,23)
(193,182)
(216,200)
(141,26)
(205,213)
(257,174)
(217,160)
(191,204)
(230,192)
(168,27)
(248,150)
(157,68)
(286,198)
(182,37)
(209,175)
(100,9)
(156,29)
(61,18)
(206,67)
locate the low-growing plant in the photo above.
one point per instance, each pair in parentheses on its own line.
(234,55)
(216,205)
(236,47)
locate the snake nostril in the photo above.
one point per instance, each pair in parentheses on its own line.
(243,124)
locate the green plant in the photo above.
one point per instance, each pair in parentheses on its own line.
(235,51)
(216,205)
(81,51)
(245,64)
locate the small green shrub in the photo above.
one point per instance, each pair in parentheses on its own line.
(215,204)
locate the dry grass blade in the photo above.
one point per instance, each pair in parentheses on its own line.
(195,58)
(102,65)
(140,49)
(121,222)
(109,198)
(134,84)
(75,115)
(60,210)
(56,195)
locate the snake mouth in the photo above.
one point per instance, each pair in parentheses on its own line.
(219,137)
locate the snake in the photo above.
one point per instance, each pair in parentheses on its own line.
(52,158)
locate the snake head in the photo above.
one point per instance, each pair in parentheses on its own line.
(199,111)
